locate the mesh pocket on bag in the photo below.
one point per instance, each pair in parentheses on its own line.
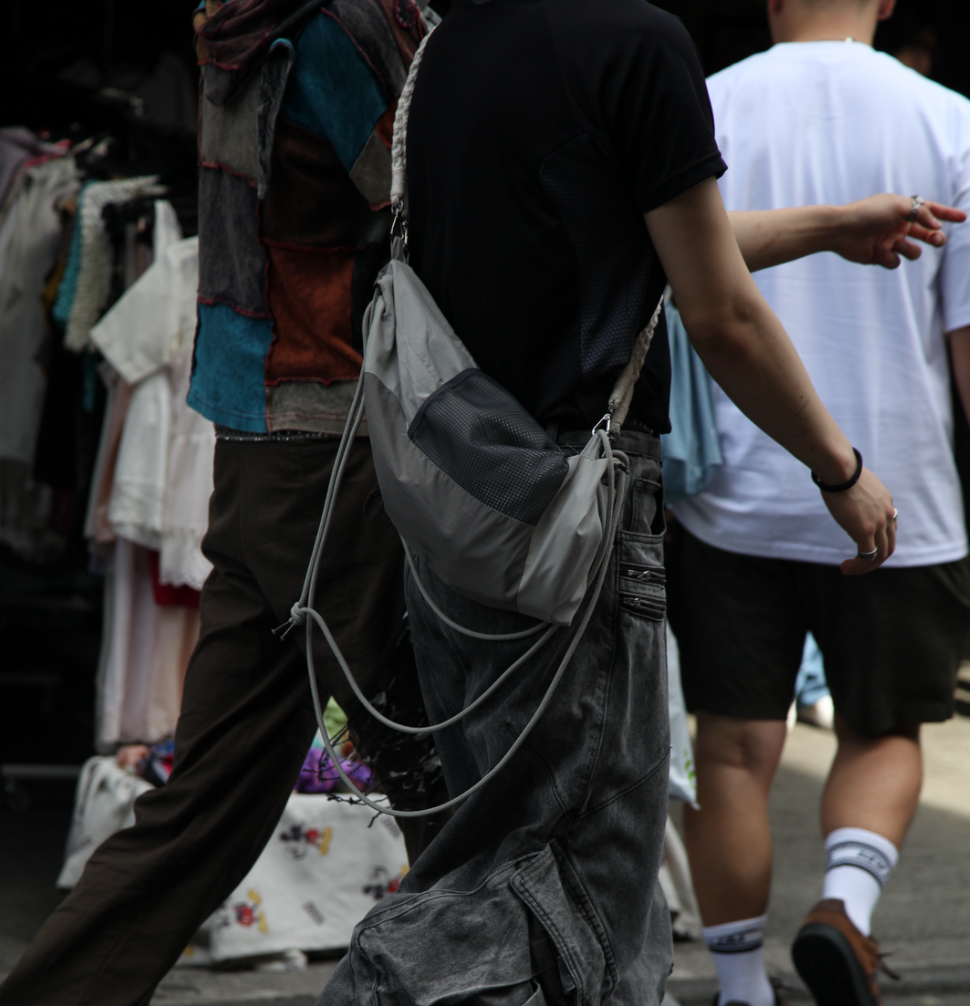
(481,437)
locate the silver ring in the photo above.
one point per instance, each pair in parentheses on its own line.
(895,514)
(867,555)
(914,212)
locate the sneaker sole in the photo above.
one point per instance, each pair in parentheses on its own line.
(827,964)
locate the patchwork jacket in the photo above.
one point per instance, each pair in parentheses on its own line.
(295,122)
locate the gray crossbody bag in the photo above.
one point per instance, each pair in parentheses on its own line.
(477,489)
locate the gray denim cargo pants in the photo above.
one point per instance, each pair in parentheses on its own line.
(542,889)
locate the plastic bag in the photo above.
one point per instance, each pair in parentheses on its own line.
(683,781)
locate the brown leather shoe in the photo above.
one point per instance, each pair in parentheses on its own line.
(835,960)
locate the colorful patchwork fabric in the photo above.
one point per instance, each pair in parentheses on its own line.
(294,183)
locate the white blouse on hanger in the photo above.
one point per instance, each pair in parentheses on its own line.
(163,475)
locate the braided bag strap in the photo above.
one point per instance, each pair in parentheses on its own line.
(399,153)
(623,389)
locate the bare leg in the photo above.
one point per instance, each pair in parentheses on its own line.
(870,798)
(874,782)
(729,839)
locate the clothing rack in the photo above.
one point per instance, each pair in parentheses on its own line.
(68,431)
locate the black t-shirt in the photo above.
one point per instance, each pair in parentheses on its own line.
(540,133)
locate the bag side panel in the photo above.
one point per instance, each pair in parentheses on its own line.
(428,353)
(472,547)
(564,545)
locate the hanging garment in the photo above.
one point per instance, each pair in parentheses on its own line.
(160,485)
(61,311)
(17,146)
(9,215)
(24,509)
(163,476)
(188,485)
(57,459)
(131,625)
(94,273)
(168,595)
(176,633)
(34,242)
(692,450)
(96,526)
(138,490)
(145,652)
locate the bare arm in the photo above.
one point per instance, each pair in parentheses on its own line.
(749,354)
(960,353)
(873,231)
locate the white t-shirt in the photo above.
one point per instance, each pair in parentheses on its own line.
(832,122)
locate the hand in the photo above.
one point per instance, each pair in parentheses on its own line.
(877,231)
(865,513)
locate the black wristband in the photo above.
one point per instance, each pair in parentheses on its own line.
(842,486)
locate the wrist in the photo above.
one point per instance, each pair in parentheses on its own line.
(836,223)
(836,466)
(838,469)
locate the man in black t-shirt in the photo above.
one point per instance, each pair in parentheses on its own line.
(562,169)
(539,137)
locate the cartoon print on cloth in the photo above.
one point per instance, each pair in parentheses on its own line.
(326,865)
(299,840)
(381,882)
(245,913)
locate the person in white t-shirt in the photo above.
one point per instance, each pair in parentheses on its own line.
(822,118)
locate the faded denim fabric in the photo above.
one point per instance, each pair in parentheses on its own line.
(542,889)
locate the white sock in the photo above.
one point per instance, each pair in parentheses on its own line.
(857,866)
(736,950)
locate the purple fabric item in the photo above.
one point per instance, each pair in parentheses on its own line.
(319,776)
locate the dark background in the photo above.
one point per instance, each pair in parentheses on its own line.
(111,44)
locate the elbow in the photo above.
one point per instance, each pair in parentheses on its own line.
(725,326)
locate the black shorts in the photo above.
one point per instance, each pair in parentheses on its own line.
(892,639)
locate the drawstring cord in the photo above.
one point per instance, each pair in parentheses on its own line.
(616,492)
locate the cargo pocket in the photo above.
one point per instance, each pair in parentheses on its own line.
(447,948)
(642,578)
(645,509)
(550,890)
